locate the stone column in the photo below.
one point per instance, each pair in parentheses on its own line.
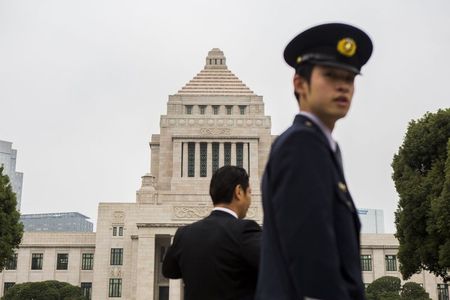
(185,159)
(378,263)
(245,157)
(176,160)
(197,160)
(134,265)
(146,265)
(233,154)
(209,159)
(175,290)
(221,154)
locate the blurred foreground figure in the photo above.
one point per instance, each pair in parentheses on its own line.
(310,244)
(218,257)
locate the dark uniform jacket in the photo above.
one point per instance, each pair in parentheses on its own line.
(310,244)
(217,257)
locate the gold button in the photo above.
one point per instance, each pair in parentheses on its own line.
(308,123)
(342,187)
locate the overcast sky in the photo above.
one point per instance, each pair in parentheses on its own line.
(83,84)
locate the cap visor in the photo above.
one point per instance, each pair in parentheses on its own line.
(337,65)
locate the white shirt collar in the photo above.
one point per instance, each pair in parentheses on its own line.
(322,127)
(227,210)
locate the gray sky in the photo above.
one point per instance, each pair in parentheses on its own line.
(83,84)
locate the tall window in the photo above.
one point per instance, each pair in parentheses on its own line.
(87,261)
(7,286)
(191,159)
(366,262)
(203,159)
(163,293)
(36,261)
(115,287)
(11,264)
(249,160)
(442,291)
(215,109)
(62,261)
(162,254)
(227,153)
(215,157)
(239,154)
(202,109)
(86,290)
(188,109)
(116,256)
(242,109)
(117,230)
(182,160)
(391,263)
(229,109)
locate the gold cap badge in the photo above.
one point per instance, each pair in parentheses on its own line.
(346,47)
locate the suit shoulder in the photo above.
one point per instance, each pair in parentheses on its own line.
(249,225)
(297,134)
(300,130)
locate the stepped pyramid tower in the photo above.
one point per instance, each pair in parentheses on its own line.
(214,120)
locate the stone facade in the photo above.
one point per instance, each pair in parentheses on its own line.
(379,253)
(141,267)
(213,120)
(38,256)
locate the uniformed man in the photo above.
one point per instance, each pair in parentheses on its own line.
(310,244)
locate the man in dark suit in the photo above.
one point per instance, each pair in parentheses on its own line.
(218,257)
(310,244)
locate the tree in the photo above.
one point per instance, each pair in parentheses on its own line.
(413,291)
(422,179)
(384,288)
(45,290)
(389,288)
(10,229)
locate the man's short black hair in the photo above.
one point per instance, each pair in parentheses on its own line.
(224,181)
(304,70)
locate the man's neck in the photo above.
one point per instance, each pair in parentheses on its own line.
(226,208)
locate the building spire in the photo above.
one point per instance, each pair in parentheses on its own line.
(215,59)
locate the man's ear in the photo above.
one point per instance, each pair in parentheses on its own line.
(300,85)
(238,192)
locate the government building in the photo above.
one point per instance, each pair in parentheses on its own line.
(214,120)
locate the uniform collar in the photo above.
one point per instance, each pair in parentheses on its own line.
(227,210)
(325,130)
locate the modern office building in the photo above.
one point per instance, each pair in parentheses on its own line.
(62,222)
(8,157)
(372,220)
(214,120)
